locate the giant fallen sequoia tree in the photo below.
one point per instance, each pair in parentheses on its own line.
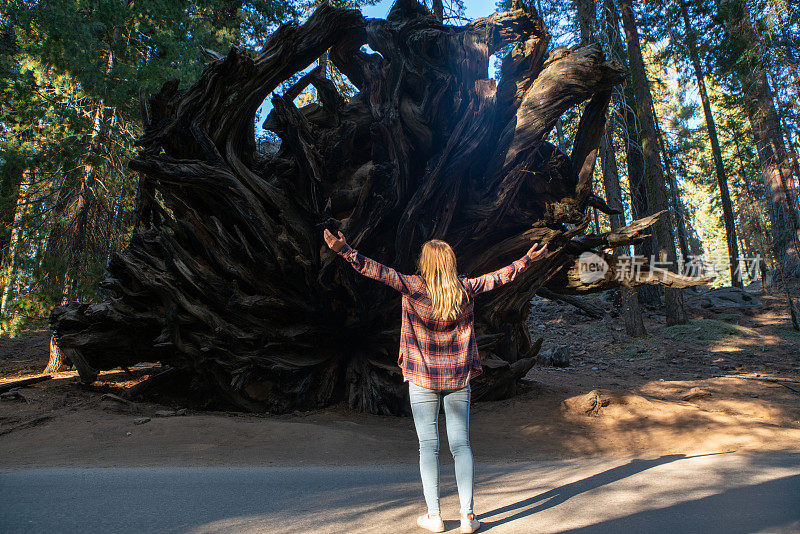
(227,276)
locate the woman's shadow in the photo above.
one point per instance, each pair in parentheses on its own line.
(560,494)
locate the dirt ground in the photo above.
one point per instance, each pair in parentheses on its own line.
(619,397)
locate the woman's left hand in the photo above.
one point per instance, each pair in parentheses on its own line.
(335,244)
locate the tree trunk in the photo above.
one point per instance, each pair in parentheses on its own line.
(673,298)
(760,108)
(761,232)
(631,310)
(560,140)
(10,263)
(647,294)
(438,9)
(793,184)
(773,163)
(680,213)
(235,284)
(10,182)
(716,151)
(56,359)
(587,20)
(586,23)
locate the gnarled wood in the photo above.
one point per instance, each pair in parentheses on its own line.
(230,280)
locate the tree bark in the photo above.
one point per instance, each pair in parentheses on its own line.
(235,284)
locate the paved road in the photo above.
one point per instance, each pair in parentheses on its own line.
(730,493)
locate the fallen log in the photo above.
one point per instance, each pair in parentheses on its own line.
(591,311)
(780,381)
(26,424)
(147,384)
(24,382)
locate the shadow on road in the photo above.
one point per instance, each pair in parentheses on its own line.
(560,494)
(740,510)
(769,505)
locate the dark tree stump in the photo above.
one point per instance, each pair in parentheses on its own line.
(233,282)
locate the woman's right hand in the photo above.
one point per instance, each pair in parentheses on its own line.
(335,244)
(535,253)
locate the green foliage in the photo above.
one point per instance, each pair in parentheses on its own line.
(70,76)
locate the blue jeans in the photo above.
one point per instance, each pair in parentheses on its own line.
(425,408)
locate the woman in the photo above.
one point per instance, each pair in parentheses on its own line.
(438,356)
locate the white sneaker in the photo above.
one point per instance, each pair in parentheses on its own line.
(433,523)
(469,524)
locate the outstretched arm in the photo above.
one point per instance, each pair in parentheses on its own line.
(367,266)
(497,278)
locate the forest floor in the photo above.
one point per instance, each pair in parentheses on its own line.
(619,397)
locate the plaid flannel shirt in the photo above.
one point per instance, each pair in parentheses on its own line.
(435,353)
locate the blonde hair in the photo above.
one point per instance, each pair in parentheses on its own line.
(437,265)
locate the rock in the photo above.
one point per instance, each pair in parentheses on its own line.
(609,296)
(116,404)
(557,356)
(140,420)
(117,398)
(591,403)
(15,394)
(754,287)
(696,393)
(165,413)
(729,297)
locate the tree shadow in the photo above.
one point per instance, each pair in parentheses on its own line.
(772,505)
(560,494)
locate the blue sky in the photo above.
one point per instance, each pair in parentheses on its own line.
(474,8)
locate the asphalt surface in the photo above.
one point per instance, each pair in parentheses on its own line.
(724,492)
